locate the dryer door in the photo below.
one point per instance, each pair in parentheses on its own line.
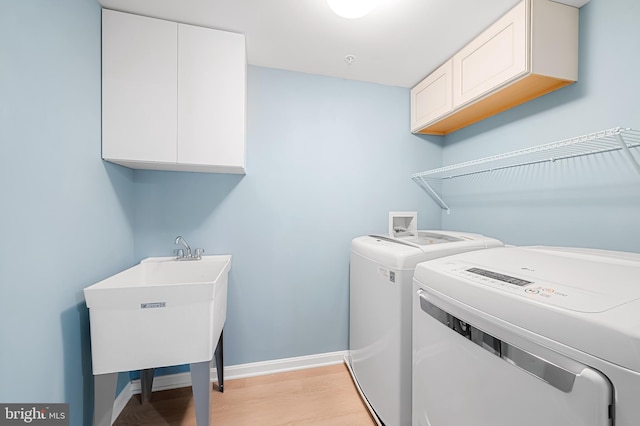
(465,376)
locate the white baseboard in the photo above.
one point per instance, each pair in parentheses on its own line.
(252,369)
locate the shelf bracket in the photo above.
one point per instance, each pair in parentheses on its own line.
(626,150)
(422,183)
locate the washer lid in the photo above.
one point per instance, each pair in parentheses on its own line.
(437,240)
(426,238)
(407,251)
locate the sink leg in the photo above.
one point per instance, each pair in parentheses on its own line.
(201,385)
(219,355)
(146,383)
(104,386)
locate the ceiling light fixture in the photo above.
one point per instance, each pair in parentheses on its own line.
(352,9)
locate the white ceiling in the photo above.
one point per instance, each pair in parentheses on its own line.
(398,44)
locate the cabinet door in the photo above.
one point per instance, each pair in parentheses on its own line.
(495,57)
(432,97)
(138,88)
(211,98)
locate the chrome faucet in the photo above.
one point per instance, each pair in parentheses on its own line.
(188,255)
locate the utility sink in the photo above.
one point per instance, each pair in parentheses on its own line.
(158,313)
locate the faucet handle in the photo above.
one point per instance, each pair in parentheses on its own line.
(198,254)
(180,254)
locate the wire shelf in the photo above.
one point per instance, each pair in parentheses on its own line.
(614,139)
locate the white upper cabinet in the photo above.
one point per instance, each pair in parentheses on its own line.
(432,97)
(211,97)
(173,95)
(530,51)
(139,74)
(496,56)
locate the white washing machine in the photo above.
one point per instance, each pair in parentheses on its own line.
(381,273)
(527,336)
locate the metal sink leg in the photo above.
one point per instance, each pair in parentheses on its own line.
(219,356)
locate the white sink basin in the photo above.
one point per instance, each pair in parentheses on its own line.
(157,313)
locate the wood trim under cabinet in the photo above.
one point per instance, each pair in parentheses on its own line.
(518,92)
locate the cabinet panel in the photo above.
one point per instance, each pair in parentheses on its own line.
(493,58)
(554,40)
(139,71)
(530,51)
(432,97)
(211,97)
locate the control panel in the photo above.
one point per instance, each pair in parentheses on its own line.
(531,286)
(499,277)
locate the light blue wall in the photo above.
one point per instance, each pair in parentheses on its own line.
(66,217)
(326,161)
(590,201)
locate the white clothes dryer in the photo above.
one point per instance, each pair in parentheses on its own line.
(381,272)
(527,336)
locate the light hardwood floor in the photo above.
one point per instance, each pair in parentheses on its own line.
(315,396)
